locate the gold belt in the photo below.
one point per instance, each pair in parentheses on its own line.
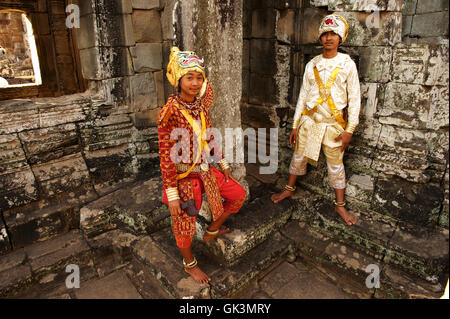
(320,118)
(203,167)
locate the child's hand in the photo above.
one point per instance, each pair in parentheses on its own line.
(175,208)
(228,176)
(292,137)
(346,138)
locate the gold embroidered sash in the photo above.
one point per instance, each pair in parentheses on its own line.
(325,95)
(198,132)
(317,130)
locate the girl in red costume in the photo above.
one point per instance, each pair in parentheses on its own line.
(192,176)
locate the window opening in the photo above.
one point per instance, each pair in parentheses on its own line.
(19,62)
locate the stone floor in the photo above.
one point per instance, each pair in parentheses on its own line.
(286,280)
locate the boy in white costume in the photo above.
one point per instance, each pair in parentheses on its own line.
(327,113)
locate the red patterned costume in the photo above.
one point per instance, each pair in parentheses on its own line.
(212,181)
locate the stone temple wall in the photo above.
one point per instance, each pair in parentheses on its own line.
(397,163)
(56,154)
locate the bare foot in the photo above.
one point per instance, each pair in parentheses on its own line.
(278,197)
(345,215)
(198,275)
(222,230)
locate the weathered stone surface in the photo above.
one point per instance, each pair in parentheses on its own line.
(18,115)
(406,26)
(18,187)
(142,92)
(147,26)
(12,155)
(258,116)
(27,227)
(430,24)
(372,98)
(100,63)
(14,279)
(402,285)
(146,4)
(147,57)
(147,285)
(408,201)
(64,111)
(50,143)
(61,175)
(385,30)
(254,223)
(360,187)
(431,6)
(406,105)
(264,23)
(111,250)
(262,51)
(166,269)
(110,131)
(5,246)
(14,259)
(130,208)
(114,286)
(365,5)
(167,22)
(263,90)
(375,64)
(225,281)
(401,152)
(310,22)
(56,253)
(87,34)
(409,7)
(421,64)
(370,234)
(321,252)
(159,86)
(421,250)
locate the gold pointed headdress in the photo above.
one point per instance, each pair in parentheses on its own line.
(182,62)
(336,24)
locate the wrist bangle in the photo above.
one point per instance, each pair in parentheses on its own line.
(172,194)
(224,164)
(350,128)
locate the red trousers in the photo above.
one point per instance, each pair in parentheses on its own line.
(233,195)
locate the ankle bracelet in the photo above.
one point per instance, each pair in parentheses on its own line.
(192,264)
(289,188)
(340,204)
(212,232)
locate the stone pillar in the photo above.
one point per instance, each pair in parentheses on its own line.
(213,29)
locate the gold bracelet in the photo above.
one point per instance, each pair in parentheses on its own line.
(350,128)
(192,264)
(290,188)
(224,164)
(339,204)
(172,194)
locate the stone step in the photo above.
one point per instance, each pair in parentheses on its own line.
(418,252)
(254,222)
(131,208)
(43,262)
(159,255)
(338,261)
